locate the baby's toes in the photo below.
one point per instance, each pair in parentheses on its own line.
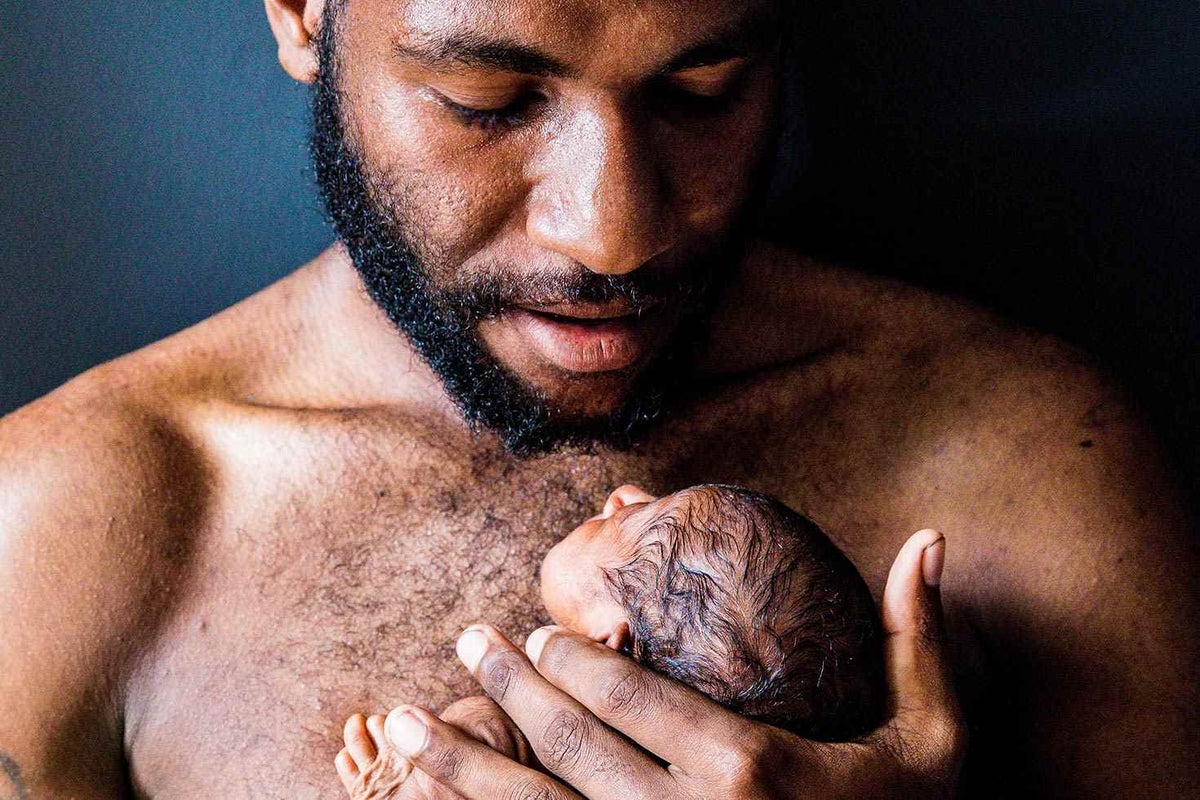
(359,742)
(347,770)
(375,728)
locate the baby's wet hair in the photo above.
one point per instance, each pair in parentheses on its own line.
(742,598)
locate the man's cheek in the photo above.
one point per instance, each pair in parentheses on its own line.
(465,231)
(452,215)
(714,174)
(712,193)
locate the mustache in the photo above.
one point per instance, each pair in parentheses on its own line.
(486,296)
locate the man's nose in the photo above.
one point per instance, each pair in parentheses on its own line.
(598,195)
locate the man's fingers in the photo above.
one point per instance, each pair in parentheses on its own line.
(921,698)
(463,764)
(918,677)
(481,719)
(567,738)
(677,724)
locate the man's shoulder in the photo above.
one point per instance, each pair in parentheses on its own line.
(101,495)
(138,446)
(959,363)
(112,462)
(117,430)
(976,371)
(1019,399)
(97,466)
(134,416)
(1009,433)
(1035,460)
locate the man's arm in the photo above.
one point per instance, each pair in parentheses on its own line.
(87,503)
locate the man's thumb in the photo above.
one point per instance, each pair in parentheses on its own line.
(924,724)
(918,671)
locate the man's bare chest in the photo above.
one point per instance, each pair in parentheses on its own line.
(346,589)
(293,622)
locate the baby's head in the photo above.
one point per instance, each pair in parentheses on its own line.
(733,593)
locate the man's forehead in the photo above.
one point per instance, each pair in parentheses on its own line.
(634,34)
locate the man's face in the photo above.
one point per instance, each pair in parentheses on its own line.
(544,194)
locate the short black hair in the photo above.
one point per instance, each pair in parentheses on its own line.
(744,599)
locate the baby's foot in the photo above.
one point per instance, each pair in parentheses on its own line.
(368,767)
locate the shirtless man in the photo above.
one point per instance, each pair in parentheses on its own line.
(214,550)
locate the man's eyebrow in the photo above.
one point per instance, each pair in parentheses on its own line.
(739,38)
(477,51)
(480,51)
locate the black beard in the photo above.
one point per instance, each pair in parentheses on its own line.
(441,323)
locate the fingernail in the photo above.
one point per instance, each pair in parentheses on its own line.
(932,561)
(406,732)
(535,643)
(471,647)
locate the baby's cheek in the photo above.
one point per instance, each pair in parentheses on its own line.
(554,598)
(558,594)
(574,588)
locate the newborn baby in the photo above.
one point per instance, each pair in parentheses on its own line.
(721,588)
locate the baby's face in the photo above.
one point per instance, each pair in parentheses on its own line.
(573,586)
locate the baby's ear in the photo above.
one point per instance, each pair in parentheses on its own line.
(625,496)
(619,639)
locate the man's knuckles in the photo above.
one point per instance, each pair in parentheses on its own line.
(557,654)
(443,759)
(751,769)
(498,669)
(626,694)
(563,742)
(534,789)
(564,655)
(616,688)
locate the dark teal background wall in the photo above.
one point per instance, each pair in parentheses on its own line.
(1041,157)
(153,172)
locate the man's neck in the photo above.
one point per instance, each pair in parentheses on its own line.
(779,310)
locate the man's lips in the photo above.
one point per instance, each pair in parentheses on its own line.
(575,312)
(588,338)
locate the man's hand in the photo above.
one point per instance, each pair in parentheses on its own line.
(605,726)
